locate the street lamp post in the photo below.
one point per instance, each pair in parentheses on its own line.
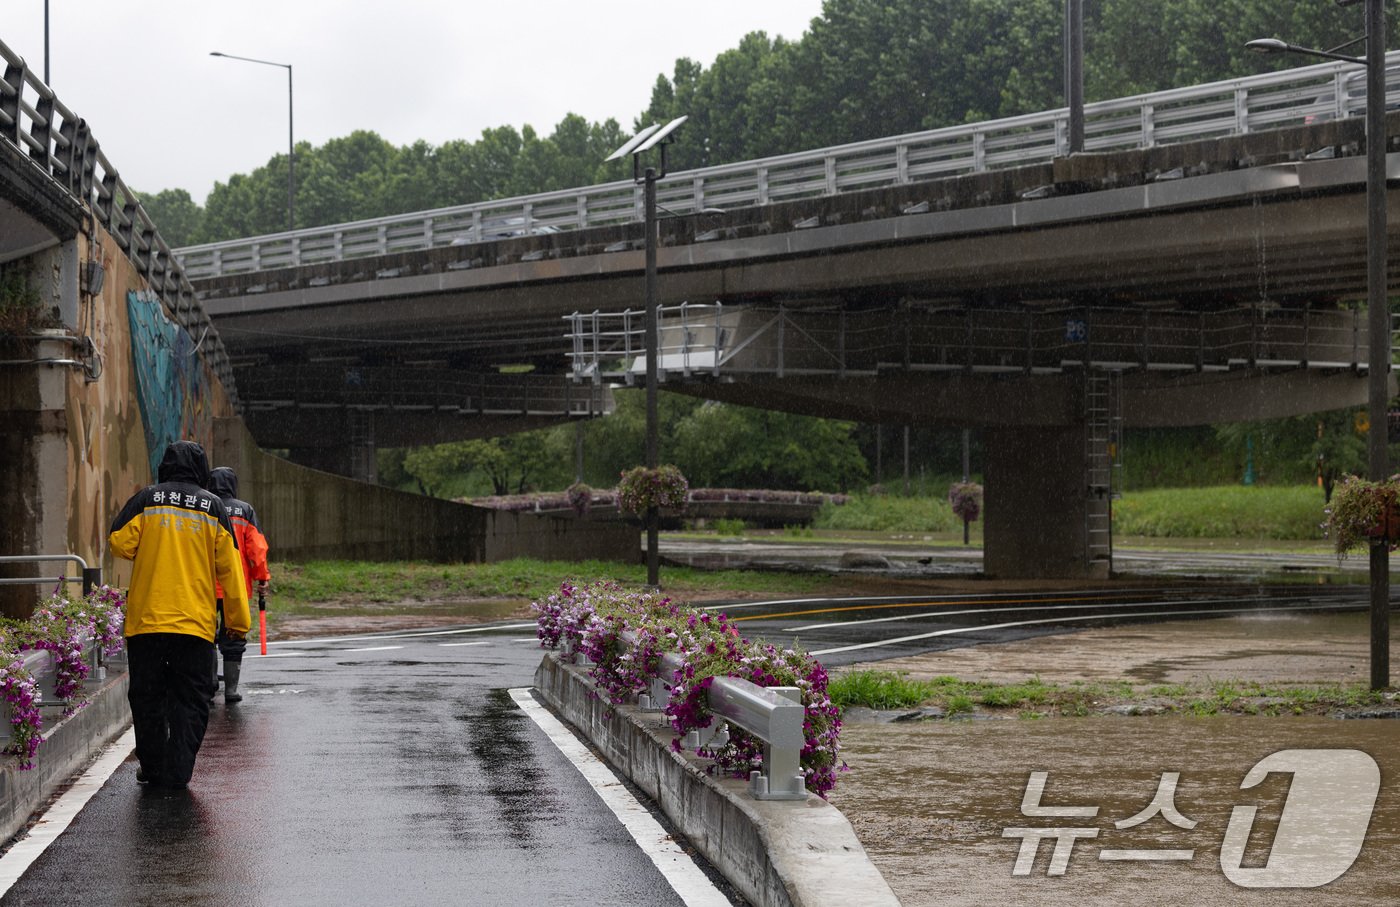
(650,137)
(291,144)
(1378,307)
(1074,73)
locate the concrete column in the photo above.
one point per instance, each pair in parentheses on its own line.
(34,482)
(1034,503)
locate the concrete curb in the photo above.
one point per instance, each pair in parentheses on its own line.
(777,853)
(69,746)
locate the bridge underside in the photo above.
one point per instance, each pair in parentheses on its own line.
(333,417)
(1049,305)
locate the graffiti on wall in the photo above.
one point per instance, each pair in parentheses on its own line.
(172,386)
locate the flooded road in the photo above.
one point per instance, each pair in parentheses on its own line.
(932,803)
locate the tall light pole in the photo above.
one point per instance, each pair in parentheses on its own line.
(1074,72)
(1378,306)
(650,137)
(291,143)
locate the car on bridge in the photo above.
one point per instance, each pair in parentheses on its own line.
(504,228)
(1353,100)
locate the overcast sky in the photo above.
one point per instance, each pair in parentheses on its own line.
(168,115)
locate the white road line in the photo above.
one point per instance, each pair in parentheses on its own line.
(58,816)
(735,606)
(1026,607)
(373,649)
(524,639)
(479,642)
(413,634)
(1058,620)
(287,655)
(694,888)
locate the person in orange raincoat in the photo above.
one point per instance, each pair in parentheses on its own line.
(252,545)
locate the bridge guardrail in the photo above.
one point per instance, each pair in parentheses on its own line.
(709,339)
(1229,107)
(772,714)
(61,144)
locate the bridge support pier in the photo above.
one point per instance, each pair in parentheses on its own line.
(34,484)
(1036,504)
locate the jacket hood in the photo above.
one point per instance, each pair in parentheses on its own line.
(223,482)
(184,461)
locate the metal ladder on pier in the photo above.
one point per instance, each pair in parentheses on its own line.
(1103,452)
(362,462)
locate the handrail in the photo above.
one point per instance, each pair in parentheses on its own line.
(92,576)
(1228,107)
(774,715)
(60,143)
(763,340)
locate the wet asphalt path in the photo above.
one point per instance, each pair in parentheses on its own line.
(367,771)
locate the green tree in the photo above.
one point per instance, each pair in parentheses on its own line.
(177,218)
(720,445)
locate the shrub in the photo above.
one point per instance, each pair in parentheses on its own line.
(1361,511)
(58,626)
(641,489)
(966,500)
(590,620)
(580,496)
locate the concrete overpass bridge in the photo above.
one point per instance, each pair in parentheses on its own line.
(1202,262)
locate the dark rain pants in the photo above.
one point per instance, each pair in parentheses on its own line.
(169,696)
(231,649)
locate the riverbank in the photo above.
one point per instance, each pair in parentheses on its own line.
(931,799)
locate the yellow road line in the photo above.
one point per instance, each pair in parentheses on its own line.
(932,604)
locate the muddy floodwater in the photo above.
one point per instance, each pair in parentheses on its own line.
(1140,809)
(932,802)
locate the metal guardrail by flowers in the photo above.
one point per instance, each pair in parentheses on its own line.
(1212,110)
(772,714)
(91,576)
(61,144)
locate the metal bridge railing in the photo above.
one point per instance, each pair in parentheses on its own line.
(60,143)
(712,339)
(1212,110)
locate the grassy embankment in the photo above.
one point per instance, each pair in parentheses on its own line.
(1034,698)
(488,591)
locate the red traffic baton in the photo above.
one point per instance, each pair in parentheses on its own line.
(262,620)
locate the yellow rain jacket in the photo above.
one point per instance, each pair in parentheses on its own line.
(181,541)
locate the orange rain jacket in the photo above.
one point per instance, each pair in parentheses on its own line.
(252,544)
(181,541)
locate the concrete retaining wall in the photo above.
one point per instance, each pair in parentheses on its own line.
(777,853)
(310,515)
(69,746)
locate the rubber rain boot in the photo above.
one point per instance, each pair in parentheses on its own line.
(231,671)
